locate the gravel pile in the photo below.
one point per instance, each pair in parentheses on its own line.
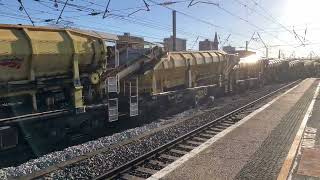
(100,163)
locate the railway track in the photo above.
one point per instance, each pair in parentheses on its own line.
(148,164)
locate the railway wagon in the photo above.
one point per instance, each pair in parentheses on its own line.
(249,73)
(316,69)
(183,79)
(277,70)
(310,68)
(180,70)
(296,69)
(49,66)
(46,69)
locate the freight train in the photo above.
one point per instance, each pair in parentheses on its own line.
(53,81)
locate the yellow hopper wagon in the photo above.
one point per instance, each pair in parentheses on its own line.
(179,80)
(46,72)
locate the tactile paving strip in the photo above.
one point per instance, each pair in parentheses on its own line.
(266,162)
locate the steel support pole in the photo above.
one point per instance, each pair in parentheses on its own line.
(174,36)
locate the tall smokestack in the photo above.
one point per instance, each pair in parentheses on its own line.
(174,37)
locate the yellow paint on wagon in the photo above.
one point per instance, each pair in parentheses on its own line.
(28,53)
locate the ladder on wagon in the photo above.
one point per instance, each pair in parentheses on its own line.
(113,90)
(113,85)
(133,98)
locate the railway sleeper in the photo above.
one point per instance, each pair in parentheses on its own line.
(239,118)
(190,143)
(166,156)
(209,134)
(216,129)
(152,166)
(227,123)
(158,163)
(164,160)
(184,147)
(212,133)
(195,142)
(199,139)
(222,127)
(205,136)
(181,152)
(172,153)
(233,117)
(146,170)
(230,118)
(128,176)
(138,173)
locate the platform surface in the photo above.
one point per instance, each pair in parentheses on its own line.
(307,160)
(257,147)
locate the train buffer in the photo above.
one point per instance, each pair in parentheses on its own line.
(279,140)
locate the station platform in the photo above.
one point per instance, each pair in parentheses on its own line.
(280,140)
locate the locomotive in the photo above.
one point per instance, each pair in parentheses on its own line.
(54,80)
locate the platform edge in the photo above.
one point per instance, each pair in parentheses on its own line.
(165,171)
(286,167)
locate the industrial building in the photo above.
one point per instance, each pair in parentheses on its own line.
(181,44)
(207,45)
(129,41)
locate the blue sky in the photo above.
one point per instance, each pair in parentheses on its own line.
(239,18)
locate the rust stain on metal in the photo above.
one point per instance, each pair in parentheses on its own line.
(309,164)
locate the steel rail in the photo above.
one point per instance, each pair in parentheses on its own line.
(129,165)
(35,116)
(46,114)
